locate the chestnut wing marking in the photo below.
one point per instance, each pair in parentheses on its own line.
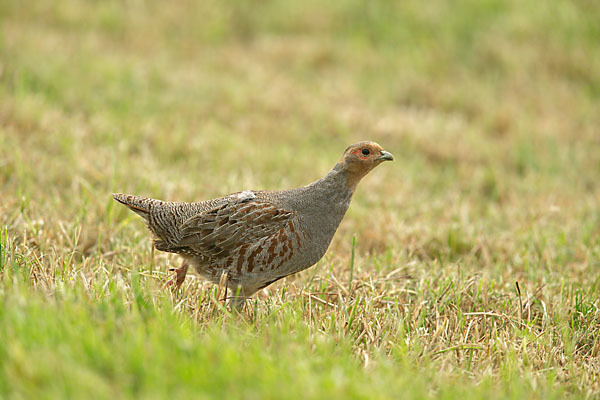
(217,232)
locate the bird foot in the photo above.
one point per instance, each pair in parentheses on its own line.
(175,282)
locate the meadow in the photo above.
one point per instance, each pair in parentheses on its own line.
(467,268)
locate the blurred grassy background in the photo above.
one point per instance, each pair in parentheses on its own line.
(490,107)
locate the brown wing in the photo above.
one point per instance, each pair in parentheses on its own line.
(217,232)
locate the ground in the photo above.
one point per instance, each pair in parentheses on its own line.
(467,268)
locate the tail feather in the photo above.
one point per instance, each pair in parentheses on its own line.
(162,218)
(137,204)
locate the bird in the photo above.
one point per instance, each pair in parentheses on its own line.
(254,238)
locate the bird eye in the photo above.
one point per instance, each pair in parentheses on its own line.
(366,152)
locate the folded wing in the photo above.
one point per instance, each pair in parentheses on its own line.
(216,233)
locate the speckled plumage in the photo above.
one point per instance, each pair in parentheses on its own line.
(258,237)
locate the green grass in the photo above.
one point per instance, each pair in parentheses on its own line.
(490,107)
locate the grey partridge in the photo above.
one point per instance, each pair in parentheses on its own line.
(258,237)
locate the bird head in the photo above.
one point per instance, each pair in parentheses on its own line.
(360,158)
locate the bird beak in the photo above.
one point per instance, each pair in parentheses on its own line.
(385,156)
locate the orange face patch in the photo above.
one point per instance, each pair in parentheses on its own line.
(360,154)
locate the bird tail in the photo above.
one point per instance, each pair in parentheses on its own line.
(163,224)
(137,204)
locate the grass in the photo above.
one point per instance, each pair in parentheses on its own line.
(468,268)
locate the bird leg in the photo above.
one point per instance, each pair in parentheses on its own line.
(238,300)
(237,303)
(179,277)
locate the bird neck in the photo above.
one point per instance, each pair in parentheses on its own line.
(333,190)
(330,195)
(349,177)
